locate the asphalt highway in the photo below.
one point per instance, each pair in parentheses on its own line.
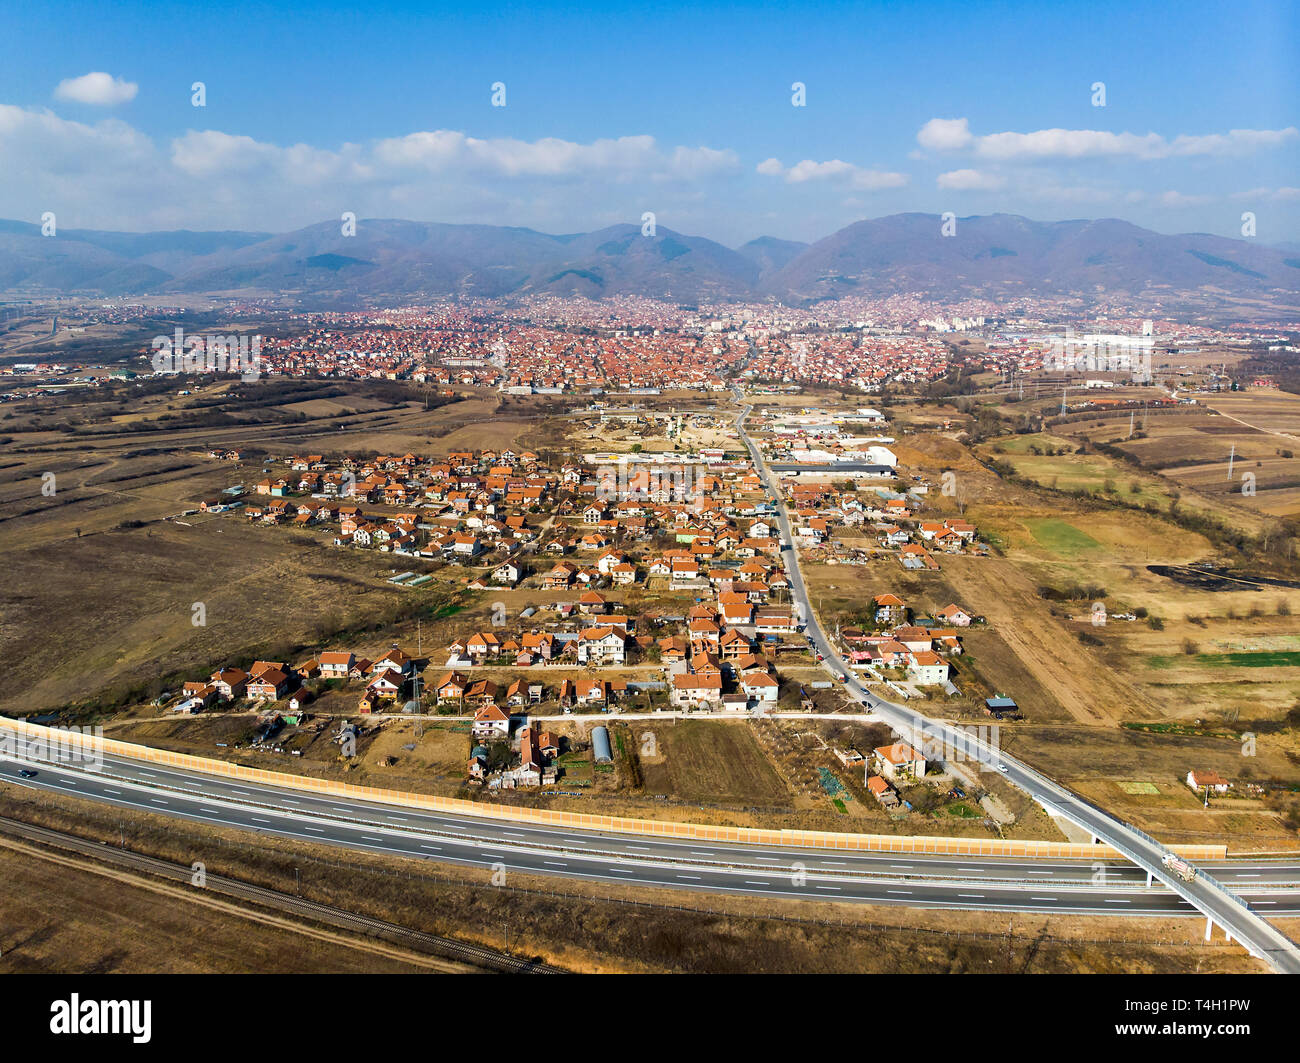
(877,878)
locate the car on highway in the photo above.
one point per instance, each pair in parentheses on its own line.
(1003,768)
(820,657)
(27,773)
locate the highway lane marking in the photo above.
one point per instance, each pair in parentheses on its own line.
(1111,900)
(438,847)
(696,852)
(831,863)
(695,877)
(904,892)
(639,848)
(1181,903)
(902,866)
(1042,898)
(371,838)
(318,830)
(836,888)
(242,793)
(147,774)
(257,819)
(157,801)
(751,882)
(622,870)
(116,793)
(337,809)
(511,834)
(972,896)
(555,863)
(1245,876)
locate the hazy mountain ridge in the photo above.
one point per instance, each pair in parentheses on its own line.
(994,255)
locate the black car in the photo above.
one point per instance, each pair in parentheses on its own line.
(26,773)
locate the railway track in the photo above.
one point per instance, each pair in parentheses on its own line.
(340,918)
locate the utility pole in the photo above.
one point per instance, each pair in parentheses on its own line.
(1232,455)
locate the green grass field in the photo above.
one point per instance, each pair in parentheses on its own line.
(1255,659)
(1061,537)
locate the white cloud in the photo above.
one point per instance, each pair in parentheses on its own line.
(445,151)
(833,170)
(944,134)
(214,154)
(96,88)
(1284,194)
(1069,144)
(1234,142)
(1178,199)
(693,163)
(970,181)
(110,175)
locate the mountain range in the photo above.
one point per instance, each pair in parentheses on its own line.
(995,255)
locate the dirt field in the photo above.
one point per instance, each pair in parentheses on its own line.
(112,612)
(62,918)
(709,762)
(1235,465)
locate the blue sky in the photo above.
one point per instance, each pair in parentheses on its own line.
(681,109)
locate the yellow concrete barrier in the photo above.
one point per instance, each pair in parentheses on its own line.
(884,843)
